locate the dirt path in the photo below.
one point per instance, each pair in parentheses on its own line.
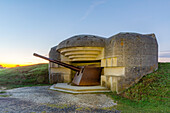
(41,100)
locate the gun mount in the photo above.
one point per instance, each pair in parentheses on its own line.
(85,75)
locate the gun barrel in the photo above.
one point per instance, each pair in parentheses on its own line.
(58,62)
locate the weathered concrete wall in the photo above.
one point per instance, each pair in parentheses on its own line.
(54,77)
(137,53)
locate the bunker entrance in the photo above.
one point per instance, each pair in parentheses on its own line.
(90,73)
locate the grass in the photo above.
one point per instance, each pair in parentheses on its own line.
(4,95)
(63,106)
(149,95)
(1,92)
(24,76)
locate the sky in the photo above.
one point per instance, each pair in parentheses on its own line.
(28,26)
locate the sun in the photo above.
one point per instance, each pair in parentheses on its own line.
(13,65)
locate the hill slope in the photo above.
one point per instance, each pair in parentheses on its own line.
(24,76)
(149,95)
(151,87)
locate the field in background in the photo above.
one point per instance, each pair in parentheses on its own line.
(24,76)
(149,95)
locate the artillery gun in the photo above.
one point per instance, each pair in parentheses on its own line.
(85,75)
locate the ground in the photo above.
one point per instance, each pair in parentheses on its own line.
(40,99)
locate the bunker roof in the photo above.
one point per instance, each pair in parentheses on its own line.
(82,41)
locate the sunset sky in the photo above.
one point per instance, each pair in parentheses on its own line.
(28,26)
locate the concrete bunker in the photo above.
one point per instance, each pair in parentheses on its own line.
(124,57)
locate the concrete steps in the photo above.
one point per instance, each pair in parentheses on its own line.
(64,87)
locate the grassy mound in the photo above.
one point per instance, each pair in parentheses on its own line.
(150,94)
(153,87)
(24,76)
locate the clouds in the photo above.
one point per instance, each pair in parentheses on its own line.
(164,54)
(163,59)
(91,8)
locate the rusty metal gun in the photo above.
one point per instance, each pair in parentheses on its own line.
(85,75)
(58,62)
